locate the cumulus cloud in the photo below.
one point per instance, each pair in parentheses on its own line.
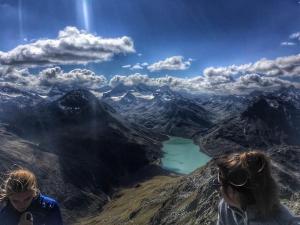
(262,75)
(172,63)
(72,46)
(288,66)
(77,78)
(203,84)
(47,78)
(126,66)
(177,83)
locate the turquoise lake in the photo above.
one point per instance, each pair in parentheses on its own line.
(182,155)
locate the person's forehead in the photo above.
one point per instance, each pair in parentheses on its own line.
(22,195)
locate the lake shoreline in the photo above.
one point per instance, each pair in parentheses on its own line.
(182,156)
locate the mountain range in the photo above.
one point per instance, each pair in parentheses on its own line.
(96,151)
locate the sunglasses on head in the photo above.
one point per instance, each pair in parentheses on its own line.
(239,177)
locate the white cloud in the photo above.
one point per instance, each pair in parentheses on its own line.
(288,43)
(295,36)
(77,78)
(47,78)
(236,79)
(293,39)
(137,66)
(172,63)
(72,46)
(288,66)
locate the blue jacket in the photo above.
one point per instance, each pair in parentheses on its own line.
(228,215)
(45,211)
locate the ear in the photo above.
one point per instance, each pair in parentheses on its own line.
(233,197)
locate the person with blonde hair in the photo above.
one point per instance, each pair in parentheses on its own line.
(250,193)
(21,202)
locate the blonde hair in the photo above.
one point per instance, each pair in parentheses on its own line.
(260,189)
(17,181)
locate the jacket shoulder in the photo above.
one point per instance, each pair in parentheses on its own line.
(3,205)
(46,202)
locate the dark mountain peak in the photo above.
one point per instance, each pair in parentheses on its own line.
(164,93)
(265,108)
(78,98)
(79,103)
(128,98)
(57,90)
(143,88)
(165,89)
(117,90)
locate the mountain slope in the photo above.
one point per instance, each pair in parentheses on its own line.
(94,148)
(266,122)
(16,151)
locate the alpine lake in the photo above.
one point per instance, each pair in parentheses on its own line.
(182,155)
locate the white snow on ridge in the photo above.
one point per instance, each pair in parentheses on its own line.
(146,97)
(117,98)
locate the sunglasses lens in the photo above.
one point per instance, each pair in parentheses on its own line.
(256,164)
(238,178)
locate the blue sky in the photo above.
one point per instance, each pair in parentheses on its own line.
(205,33)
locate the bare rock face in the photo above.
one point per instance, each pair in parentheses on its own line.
(268,121)
(193,200)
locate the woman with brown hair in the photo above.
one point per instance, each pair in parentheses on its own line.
(21,202)
(250,194)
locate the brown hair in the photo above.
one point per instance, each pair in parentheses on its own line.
(259,188)
(19,180)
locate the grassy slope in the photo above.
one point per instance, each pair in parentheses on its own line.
(135,204)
